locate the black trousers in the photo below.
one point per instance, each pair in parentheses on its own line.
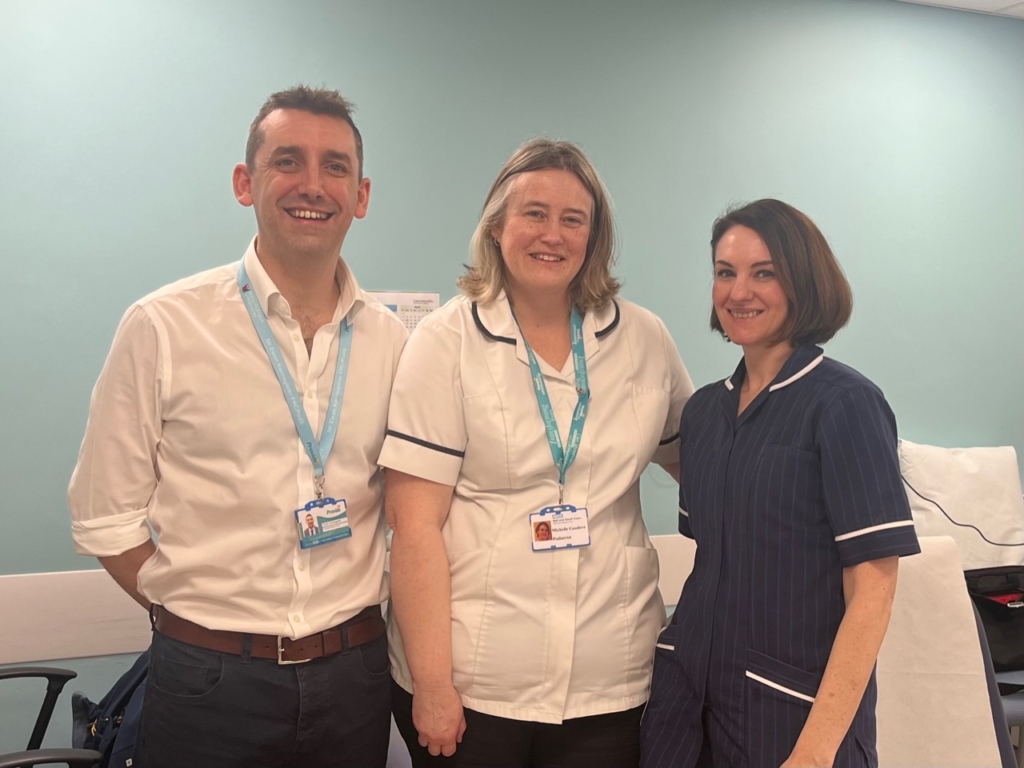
(207,709)
(600,741)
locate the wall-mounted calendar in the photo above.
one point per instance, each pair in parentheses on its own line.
(410,306)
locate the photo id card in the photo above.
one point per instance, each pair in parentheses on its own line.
(322,521)
(560,527)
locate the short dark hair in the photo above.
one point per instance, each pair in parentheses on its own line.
(820,299)
(317,101)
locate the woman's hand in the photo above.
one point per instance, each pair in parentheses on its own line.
(438,717)
(799,760)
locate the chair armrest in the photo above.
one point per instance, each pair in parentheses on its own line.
(56,679)
(56,676)
(76,758)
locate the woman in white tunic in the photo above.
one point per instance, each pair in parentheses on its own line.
(537,396)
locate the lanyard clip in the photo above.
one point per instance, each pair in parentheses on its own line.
(561,489)
(318,481)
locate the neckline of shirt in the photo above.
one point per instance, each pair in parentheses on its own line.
(265,288)
(495,322)
(803,360)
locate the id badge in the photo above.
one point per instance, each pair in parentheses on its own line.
(322,521)
(560,527)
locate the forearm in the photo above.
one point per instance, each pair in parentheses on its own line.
(421,595)
(124,569)
(849,667)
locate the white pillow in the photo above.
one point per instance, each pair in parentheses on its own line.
(975,486)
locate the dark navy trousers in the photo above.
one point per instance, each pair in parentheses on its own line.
(208,709)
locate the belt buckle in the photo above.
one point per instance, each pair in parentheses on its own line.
(280,653)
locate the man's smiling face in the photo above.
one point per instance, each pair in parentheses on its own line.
(305,185)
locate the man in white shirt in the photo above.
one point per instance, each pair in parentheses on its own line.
(213,424)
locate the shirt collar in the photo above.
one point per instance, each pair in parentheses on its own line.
(803,360)
(495,321)
(270,297)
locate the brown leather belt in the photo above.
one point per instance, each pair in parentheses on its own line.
(366,626)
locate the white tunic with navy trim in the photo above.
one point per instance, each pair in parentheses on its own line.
(552,635)
(779,499)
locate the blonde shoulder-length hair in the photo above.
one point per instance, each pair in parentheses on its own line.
(593,287)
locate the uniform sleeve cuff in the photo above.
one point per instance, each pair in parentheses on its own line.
(896,539)
(684,523)
(421,458)
(109,536)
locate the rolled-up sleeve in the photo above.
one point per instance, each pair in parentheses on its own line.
(426,434)
(680,390)
(116,474)
(865,501)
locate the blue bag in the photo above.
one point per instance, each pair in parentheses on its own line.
(111,725)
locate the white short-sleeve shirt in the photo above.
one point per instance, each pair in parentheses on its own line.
(541,636)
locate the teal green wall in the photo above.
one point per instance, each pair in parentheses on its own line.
(898,128)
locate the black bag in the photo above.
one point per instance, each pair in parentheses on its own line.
(110,726)
(998,594)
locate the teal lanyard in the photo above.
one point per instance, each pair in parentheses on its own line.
(317,451)
(564,458)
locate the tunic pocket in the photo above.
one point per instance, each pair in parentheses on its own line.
(779,698)
(779,677)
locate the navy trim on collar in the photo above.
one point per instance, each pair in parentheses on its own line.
(612,325)
(487,333)
(493,337)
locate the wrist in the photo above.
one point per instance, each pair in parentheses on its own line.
(429,686)
(808,756)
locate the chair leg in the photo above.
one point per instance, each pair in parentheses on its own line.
(1019,749)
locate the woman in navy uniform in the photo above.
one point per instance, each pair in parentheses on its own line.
(790,486)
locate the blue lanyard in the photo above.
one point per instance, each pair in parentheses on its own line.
(317,452)
(563,457)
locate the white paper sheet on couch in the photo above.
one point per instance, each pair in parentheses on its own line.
(933,704)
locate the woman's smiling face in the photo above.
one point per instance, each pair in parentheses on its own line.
(544,237)
(748,298)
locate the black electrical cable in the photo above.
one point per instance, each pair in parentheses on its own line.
(954,522)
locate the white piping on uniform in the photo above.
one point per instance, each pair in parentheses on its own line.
(778,687)
(873,529)
(803,372)
(683,512)
(728,383)
(666,647)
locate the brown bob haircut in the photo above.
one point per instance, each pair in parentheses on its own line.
(316,101)
(820,299)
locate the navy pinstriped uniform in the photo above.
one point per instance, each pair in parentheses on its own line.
(779,500)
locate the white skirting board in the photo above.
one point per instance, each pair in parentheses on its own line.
(67,615)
